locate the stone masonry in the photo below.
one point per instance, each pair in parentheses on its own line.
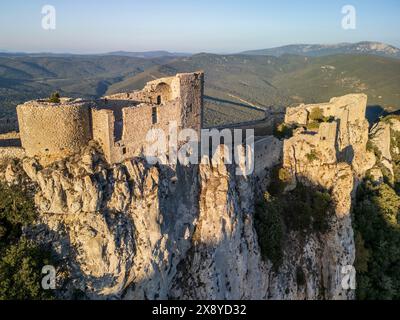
(119,122)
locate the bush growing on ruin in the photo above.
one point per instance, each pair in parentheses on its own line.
(21,260)
(55,97)
(313,125)
(317,115)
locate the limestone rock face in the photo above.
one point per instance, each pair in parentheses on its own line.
(381,137)
(332,156)
(131,230)
(343,134)
(135,231)
(223,262)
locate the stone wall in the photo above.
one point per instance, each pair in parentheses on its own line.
(103,131)
(349,134)
(267,154)
(176,99)
(350,108)
(54,130)
(119,122)
(191,95)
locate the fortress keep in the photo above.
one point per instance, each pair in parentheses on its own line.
(119,122)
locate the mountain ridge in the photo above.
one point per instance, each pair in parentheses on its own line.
(316,50)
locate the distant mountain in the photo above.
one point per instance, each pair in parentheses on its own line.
(317,50)
(142,55)
(24,77)
(148,54)
(236,86)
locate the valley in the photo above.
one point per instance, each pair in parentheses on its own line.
(238,87)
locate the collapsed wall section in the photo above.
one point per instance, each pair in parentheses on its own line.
(349,108)
(175,100)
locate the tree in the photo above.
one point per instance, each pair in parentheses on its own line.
(20,271)
(55,97)
(21,260)
(377,242)
(269,228)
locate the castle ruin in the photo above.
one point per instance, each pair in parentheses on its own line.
(119,122)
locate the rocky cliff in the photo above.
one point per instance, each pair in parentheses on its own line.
(327,150)
(135,231)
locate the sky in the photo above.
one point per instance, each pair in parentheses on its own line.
(219,26)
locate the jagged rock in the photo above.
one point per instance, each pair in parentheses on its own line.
(376,175)
(380,138)
(136,231)
(332,156)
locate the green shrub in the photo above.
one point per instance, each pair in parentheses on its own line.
(21,260)
(317,115)
(20,272)
(279,180)
(377,242)
(283,131)
(313,125)
(16,210)
(269,228)
(55,97)
(362,254)
(312,156)
(370,146)
(307,209)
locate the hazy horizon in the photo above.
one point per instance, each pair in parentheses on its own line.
(179,52)
(93,27)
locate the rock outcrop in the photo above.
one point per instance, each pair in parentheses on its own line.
(136,231)
(382,136)
(331,155)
